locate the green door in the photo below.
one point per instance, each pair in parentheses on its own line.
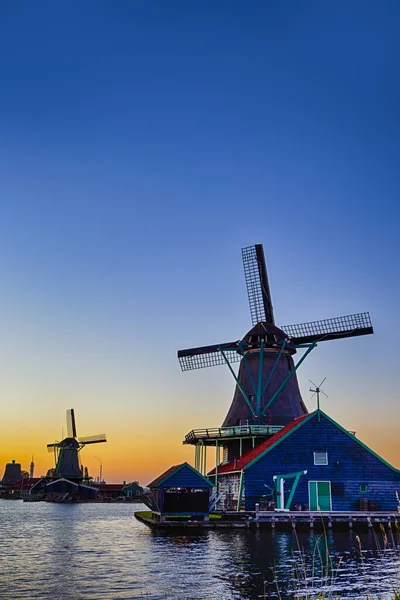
(313,495)
(320,495)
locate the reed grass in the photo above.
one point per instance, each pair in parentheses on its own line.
(313,579)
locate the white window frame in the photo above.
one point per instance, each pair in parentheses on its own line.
(320,464)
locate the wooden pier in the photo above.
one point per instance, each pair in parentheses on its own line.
(326,520)
(285,520)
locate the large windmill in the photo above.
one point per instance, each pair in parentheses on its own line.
(66,451)
(267,394)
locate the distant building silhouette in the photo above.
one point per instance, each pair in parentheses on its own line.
(31,469)
(12,473)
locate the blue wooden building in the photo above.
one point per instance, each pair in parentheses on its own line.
(179,491)
(311,464)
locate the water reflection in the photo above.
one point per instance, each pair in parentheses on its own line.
(100,552)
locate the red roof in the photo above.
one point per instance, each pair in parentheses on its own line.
(108,487)
(241,462)
(26,483)
(164,475)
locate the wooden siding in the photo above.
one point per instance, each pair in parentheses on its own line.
(228,487)
(287,406)
(349,466)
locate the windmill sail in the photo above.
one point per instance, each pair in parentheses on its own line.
(330,329)
(208,356)
(71,427)
(257,284)
(93,439)
(50,447)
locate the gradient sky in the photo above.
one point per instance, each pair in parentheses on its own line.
(142,144)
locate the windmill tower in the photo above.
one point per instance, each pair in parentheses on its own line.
(267,395)
(66,452)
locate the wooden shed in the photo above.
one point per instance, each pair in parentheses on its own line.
(69,490)
(180,491)
(311,464)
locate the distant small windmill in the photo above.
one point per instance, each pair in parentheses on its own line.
(66,451)
(317,390)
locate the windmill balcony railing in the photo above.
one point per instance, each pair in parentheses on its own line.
(228,432)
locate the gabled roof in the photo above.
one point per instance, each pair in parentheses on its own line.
(62,479)
(164,475)
(78,485)
(172,471)
(251,455)
(359,442)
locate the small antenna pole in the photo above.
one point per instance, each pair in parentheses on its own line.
(317,391)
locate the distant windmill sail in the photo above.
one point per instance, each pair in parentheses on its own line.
(93,439)
(71,427)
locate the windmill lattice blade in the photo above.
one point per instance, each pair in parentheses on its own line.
(207,356)
(93,439)
(322,382)
(255,273)
(314,384)
(322,392)
(50,447)
(71,427)
(330,329)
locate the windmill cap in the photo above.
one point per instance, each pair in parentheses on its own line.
(70,442)
(271,334)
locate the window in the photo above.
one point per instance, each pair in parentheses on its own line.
(320,458)
(363,487)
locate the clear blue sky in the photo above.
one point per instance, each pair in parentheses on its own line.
(142,144)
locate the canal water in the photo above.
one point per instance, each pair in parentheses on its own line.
(100,552)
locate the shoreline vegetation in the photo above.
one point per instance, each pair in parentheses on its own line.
(316,580)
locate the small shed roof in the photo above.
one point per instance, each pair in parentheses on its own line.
(180,476)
